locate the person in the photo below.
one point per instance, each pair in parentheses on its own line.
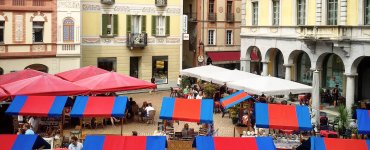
(185,130)
(75,145)
(190,94)
(335,94)
(179,81)
(27,129)
(200,95)
(262,99)
(113,120)
(148,109)
(152,80)
(186,91)
(34,122)
(134,133)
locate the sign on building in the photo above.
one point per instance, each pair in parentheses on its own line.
(185,24)
(185,37)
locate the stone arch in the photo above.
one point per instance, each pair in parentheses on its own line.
(275,58)
(300,62)
(354,65)
(333,69)
(254,55)
(294,54)
(38,67)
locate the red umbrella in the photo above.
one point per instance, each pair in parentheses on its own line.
(19,75)
(44,85)
(3,95)
(81,73)
(113,82)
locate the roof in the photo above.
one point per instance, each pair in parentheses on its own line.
(224,56)
(234,99)
(232,143)
(80,73)
(363,121)
(319,143)
(22,142)
(110,142)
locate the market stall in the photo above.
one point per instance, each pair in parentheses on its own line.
(363,121)
(22,142)
(229,76)
(203,72)
(110,142)
(287,117)
(230,143)
(19,75)
(233,99)
(319,143)
(80,73)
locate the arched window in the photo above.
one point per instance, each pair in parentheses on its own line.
(68,30)
(38,67)
(1,71)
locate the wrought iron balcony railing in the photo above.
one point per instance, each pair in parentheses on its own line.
(212,17)
(161,3)
(229,17)
(137,40)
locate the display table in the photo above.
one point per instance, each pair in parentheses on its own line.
(327,133)
(179,145)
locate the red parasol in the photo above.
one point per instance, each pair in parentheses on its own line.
(19,75)
(81,73)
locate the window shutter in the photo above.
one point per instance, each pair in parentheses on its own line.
(128,24)
(115,24)
(168,25)
(154,25)
(143,24)
(105,18)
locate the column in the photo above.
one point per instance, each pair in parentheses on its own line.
(350,92)
(244,64)
(316,97)
(343,12)
(318,11)
(288,72)
(265,68)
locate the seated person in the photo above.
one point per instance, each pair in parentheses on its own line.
(148,109)
(185,130)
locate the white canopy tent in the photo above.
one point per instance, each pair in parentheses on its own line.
(229,76)
(203,72)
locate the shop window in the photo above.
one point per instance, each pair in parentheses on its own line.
(160,69)
(333,72)
(68,30)
(38,31)
(38,67)
(107,63)
(1,71)
(304,74)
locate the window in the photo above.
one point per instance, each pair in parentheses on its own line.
(38,31)
(109,24)
(275,12)
(160,25)
(332,12)
(136,24)
(229,8)
(367,12)
(255,13)
(211,37)
(229,37)
(107,63)
(301,12)
(2,29)
(68,30)
(160,69)
(211,6)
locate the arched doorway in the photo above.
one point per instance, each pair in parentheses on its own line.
(333,70)
(304,74)
(363,85)
(255,57)
(1,71)
(279,69)
(38,67)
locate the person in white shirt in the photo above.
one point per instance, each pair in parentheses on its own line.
(148,109)
(179,81)
(75,145)
(34,122)
(200,95)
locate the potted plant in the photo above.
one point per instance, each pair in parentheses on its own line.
(209,90)
(343,119)
(233,114)
(185,81)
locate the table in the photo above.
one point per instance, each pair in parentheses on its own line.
(286,144)
(326,133)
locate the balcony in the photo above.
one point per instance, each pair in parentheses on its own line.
(191,16)
(137,40)
(161,3)
(229,17)
(107,2)
(212,17)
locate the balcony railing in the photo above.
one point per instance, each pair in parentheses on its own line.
(137,40)
(19,2)
(108,2)
(161,3)
(229,17)
(38,3)
(191,16)
(212,17)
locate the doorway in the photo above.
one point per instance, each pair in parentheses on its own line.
(134,66)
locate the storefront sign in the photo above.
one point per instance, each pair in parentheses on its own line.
(200,58)
(184,24)
(185,37)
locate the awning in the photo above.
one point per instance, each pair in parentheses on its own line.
(278,116)
(3,95)
(192,110)
(229,76)
(80,73)
(45,106)
(319,143)
(22,142)
(224,56)
(234,99)
(86,106)
(111,142)
(230,143)
(19,75)
(202,72)
(363,121)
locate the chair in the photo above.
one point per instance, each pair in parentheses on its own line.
(99,121)
(86,122)
(150,118)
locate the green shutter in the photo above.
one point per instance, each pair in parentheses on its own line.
(105,21)
(168,25)
(153,25)
(143,24)
(128,23)
(115,24)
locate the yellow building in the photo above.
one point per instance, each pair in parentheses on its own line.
(292,38)
(140,38)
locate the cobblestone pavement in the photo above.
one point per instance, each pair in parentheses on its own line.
(224,125)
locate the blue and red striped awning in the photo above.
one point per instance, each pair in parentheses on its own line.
(44,106)
(101,142)
(363,121)
(278,116)
(234,99)
(22,142)
(319,143)
(91,106)
(192,110)
(228,143)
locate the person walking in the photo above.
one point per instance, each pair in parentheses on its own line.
(335,94)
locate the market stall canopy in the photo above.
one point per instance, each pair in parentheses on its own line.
(3,95)
(43,85)
(113,82)
(110,142)
(192,110)
(81,73)
(269,86)
(44,106)
(91,106)
(202,72)
(363,121)
(319,143)
(234,99)
(22,142)
(229,76)
(278,116)
(231,143)
(19,75)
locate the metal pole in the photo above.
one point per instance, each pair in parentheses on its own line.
(121,125)
(203,20)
